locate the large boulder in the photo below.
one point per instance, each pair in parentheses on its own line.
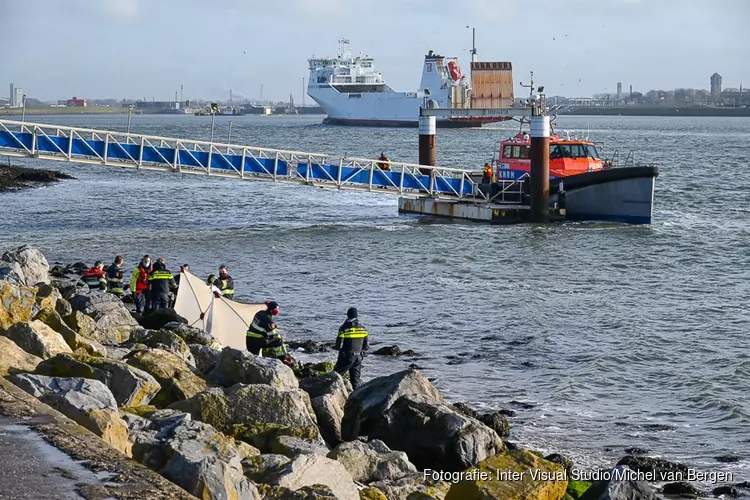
(260,413)
(28,264)
(156,320)
(192,454)
(63,308)
(78,343)
(514,475)
(435,436)
(16,304)
(114,323)
(368,404)
(619,487)
(211,407)
(81,323)
(328,394)
(46,297)
(258,467)
(130,386)
(191,334)
(241,367)
(13,359)
(373,461)
(163,339)
(292,446)
(311,470)
(177,380)
(205,357)
(88,402)
(415,487)
(38,339)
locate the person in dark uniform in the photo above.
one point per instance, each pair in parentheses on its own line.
(262,335)
(225,283)
(352,343)
(114,277)
(160,284)
(185,268)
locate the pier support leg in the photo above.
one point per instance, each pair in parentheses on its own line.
(427,141)
(539,168)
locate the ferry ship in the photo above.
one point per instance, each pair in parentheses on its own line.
(352,92)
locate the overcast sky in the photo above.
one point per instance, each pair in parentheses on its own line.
(55,49)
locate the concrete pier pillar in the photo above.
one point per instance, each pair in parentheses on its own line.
(427,141)
(539,155)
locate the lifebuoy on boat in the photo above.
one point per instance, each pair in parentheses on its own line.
(454,70)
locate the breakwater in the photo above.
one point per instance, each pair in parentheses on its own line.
(222,423)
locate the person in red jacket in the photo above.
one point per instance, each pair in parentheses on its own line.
(139,284)
(95,277)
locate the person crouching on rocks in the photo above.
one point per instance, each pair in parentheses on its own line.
(262,337)
(95,277)
(352,344)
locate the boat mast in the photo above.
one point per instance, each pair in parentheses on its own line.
(473,45)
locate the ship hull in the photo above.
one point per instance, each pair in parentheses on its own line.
(369,122)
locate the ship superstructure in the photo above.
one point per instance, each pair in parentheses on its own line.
(353,92)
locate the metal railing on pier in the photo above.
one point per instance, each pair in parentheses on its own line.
(187,156)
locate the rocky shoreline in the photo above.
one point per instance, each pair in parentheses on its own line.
(13,178)
(220,423)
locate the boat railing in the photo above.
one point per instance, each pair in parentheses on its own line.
(509,192)
(614,160)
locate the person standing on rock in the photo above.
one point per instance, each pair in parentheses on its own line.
(114,277)
(262,335)
(160,285)
(225,283)
(95,277)
(139,284)
(352,343)
(185,268)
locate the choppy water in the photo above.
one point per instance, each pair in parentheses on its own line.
(617,335)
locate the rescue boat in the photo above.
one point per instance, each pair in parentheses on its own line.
(567,156)
(587,186)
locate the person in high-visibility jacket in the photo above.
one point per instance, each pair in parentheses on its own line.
(488,174)
(262,336)
(139,284)
(95,277)
(352,343)
(114,277)
(225,283)
(160,285)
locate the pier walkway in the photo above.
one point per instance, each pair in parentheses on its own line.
(187,156)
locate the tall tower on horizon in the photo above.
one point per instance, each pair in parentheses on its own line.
(715,87)
(619,90)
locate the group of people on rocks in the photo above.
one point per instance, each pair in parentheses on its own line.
(154,287)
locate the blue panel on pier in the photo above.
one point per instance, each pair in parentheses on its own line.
(223,161)
(123,151)
(53,144)
(87,148)
(265,166)
(16,140)
(193,159)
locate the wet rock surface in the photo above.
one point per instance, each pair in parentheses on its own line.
(12,178)
(241,367)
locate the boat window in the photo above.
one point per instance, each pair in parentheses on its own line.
(520,152)
(565,151)
(593,153)
(554,152)
(578,151)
